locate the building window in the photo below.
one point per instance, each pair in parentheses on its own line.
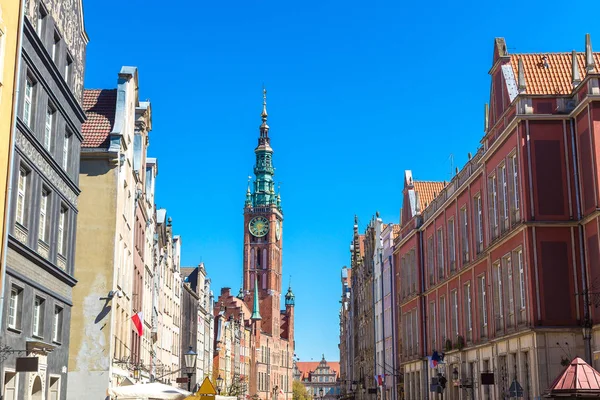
(21,199)
(440,253)
(468,318)
(54,388)
(413,270)
(433,325)
(41,22)
(482,295)
(464,233)
(55,48)
(48,127)
(430,262)
(61,231)
(509,289)
(65,155)
(451,246)
(493,203)
(498,304)
(58,324)
(42,233)
(28,105)
(11,386)
(14,307)
(454,311)
(515,183)
(68,70)
(38,317)
(519,260)
(478,223)
(443,319)
(504,198)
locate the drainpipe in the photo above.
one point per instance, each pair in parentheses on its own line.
(587,321)
(425,375)
(11,157)
(393,300)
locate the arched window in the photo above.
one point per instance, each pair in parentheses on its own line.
(258,259)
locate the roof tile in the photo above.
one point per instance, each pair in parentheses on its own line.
(99,106)
(554,80)
(427,190)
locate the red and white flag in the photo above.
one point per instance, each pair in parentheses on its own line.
(138,322)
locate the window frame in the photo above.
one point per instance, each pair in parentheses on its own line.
(49,124)
(37,327)
(464,233)
(20,216)
(57,324)
(479,216)
(61,233)
(439,243)
(17,307)
(28,101)
(451,244)
(43,214)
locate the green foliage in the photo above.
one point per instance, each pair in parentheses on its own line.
(299,391)
(460,342)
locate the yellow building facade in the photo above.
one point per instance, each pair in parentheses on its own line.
(10,26)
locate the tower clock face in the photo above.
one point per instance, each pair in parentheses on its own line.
(278,230)
(259,226)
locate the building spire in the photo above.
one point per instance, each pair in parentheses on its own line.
(264,128)
(522,85)
(590,65)
(255,307)
(575,76)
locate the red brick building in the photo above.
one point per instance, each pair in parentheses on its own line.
(495,266)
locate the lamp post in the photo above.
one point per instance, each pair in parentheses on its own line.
(354,389)
(190,364)
(219,384)
(321,393)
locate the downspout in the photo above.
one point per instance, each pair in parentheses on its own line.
(425,375)
(11,157)
(586,303)
(393,300)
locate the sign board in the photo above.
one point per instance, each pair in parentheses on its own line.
(27,364)
(515,389)
(184,379)
(372,390)
(207,388)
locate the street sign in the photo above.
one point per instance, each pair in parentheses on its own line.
(206,389)
(183,379)
(516,390)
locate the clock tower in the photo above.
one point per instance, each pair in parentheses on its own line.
(263,225)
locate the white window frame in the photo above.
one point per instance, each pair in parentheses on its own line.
(469,308)
(21,193)
(494,201)
(504,191)
(57,389)
(479,213)
(16,386)
(433,325)
(65,158)
(515,178)
(451,242)
(13,307)
(521,278)
(454,306)
(499,288)
(61,230)
(464,213)
(439,239)
(511,295)
(56,320)
(37,316)
(48,128)
(43,215)
(483,300)
(28,104)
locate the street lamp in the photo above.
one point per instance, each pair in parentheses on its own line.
(321,393)
(136,373)
(219,384)
(315,396)
(190,363)
(455,374)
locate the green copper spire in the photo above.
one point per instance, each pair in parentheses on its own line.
(255,308)
(264,186)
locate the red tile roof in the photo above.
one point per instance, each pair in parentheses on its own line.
(426,190)
(554,80)
(307,367)
(99,106)
(579,377)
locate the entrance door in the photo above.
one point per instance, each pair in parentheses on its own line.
(36,389)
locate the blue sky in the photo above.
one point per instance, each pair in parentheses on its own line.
(357,93)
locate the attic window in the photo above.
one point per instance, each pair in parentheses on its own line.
(544,62)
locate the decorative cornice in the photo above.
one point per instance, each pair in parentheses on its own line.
(49,172)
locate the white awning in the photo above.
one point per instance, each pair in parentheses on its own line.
(148,391)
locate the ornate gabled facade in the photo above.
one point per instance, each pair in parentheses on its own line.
(44,189)
(321,379)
